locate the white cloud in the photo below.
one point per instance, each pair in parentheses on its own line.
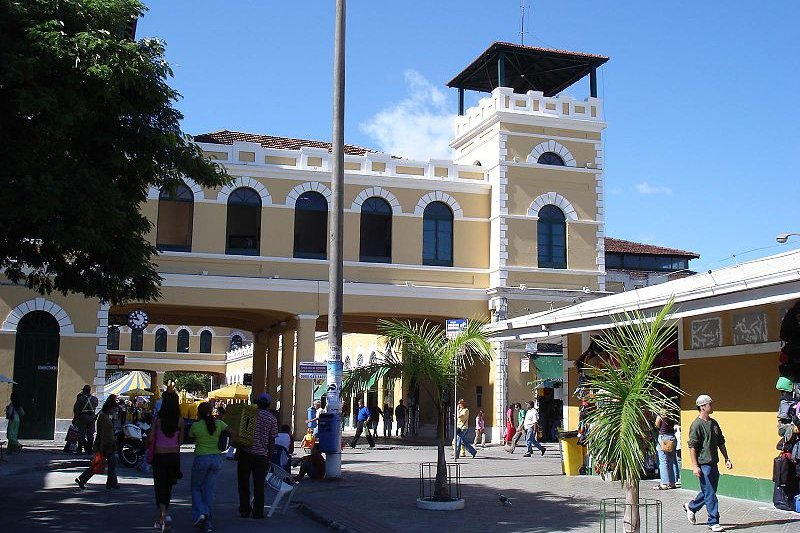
(417,127)
(646,188)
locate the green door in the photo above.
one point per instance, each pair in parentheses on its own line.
(36,373)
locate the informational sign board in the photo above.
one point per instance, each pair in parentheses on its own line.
(454,326)
(313,370)
(526,365)
(117,359)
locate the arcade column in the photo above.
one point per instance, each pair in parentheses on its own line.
(306,327)
(287,375)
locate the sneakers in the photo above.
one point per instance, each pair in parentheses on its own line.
(526,455)
(690,514)
(716,527)
(543,450)
(200,523)
(80,483)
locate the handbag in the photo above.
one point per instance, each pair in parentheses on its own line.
(668,445)
(224,441)
(151,445)
(98,465)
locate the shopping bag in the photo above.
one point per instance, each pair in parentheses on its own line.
(98,463)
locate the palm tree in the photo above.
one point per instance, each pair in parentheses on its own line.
(625,393)
(423,354)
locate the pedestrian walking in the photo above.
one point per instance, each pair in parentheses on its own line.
(510,428)
(165,441)
(206,466)
(106,444)
(14,412)
(254,460)
(362,424)
(705,442)
(401,415)
(374,417)
(388,420)
(462,431)
(84,418)
(480,430)
(520,431)
(531,427)
(667,447)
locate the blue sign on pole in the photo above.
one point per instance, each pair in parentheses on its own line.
(454,326)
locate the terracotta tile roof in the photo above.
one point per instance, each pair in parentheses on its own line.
(628,247)
(270,141)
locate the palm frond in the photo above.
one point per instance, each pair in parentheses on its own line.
(627,392)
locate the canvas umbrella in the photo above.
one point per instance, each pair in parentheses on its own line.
(134,380)
(137,392)
(234,391)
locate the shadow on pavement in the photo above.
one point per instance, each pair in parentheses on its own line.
(761,523)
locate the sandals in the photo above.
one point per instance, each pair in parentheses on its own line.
(664,487)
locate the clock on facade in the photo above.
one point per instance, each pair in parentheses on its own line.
(138,319)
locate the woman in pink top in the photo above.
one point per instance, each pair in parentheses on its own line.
(166,436)
(480,430)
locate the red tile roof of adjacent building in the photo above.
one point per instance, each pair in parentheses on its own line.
(628,247)
(270,141)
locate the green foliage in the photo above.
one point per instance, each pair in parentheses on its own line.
(193,382)
(627,393)
(88,125)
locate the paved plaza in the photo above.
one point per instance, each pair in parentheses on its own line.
(376,493)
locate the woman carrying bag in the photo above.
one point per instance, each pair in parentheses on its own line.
(165,455)
(207,464)
(105,448)
(13,413)
(667,453)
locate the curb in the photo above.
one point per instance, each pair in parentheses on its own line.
(329,523)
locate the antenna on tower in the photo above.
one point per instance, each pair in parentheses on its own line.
(524,4)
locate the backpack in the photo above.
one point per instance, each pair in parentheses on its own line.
(781,500)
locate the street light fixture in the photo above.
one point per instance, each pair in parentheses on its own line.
(783,237)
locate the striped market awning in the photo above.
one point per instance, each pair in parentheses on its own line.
(134,380)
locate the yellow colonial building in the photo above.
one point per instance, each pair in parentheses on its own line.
(513,224)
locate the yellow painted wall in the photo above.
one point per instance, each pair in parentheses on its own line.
(527,184)
(550,132)
(521,147)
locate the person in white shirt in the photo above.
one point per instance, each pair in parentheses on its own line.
(530,423)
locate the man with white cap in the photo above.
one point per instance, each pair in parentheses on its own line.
(705,442)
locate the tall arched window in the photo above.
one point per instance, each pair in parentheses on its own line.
(550,158)
(112,341)
(437,235)
(205,341)
(311,226)
(161,340)
(552,233)
(243,233)
(376,231)
(137,338)
(183,341)
(175,217)
(236,342)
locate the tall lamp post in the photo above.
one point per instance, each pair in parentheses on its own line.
(333,465)
(783,237)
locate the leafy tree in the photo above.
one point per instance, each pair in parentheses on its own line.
(626,393)
(422,354)
(189,381)
(88,125)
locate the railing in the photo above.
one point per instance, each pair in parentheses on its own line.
(244,351)
(504,99)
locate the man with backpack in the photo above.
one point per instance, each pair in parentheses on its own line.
(84,411)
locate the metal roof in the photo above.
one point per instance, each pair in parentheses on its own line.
(770,279)
(528,68)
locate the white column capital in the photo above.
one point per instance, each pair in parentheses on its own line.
(306,317)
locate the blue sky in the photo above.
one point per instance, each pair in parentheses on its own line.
(704,123)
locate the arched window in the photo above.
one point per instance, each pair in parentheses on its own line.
(137,338)
(183,341)
(552,234)
(376,231)
(161,340)
(243,233)
(550,158)
(236,342)
(112,341)
(437,235)
(205,342)
(175,217)
(311,226)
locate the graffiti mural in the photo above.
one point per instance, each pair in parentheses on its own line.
(750,328)
(706,333)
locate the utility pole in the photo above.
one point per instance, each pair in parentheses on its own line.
(333,465)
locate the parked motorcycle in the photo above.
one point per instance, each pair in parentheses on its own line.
(132,442)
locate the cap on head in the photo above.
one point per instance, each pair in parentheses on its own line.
(702,400)
(265,397)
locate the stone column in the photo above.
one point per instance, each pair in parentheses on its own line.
(500,391)
(287,375)
(306,327)
(259,363)
(272,367)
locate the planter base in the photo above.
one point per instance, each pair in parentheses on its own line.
(430,504)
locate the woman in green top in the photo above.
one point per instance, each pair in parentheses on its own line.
(13,413)
(207,464)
